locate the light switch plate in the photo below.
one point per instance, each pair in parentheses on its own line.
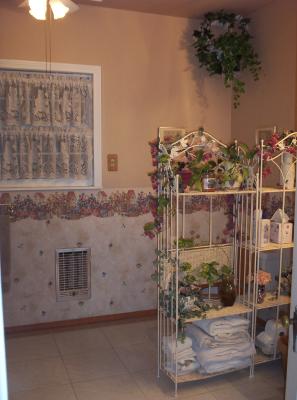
(112,162)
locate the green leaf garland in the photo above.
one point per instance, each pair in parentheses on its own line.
(228,52)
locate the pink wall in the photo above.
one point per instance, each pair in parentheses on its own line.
(148,77)
(272,100)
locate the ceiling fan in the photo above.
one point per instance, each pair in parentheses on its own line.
(59,8)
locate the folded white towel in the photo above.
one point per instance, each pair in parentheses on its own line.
(223,326)
(224,354)
(170,343)
(203,340)
(183,369)
(188,354)
(214,366)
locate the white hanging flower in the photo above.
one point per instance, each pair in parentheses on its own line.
(294,141)
(281,146)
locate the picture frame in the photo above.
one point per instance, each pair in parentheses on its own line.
(264,133)
(92,71)
(174,132)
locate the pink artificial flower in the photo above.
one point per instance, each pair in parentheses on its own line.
(292,150)
(264,278)
(207,156)
(266,171)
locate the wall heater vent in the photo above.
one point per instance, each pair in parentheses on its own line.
(73,273)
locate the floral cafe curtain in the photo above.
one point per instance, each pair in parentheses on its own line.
(46,126)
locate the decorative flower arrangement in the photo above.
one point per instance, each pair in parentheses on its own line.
(279,142)
(263,278)
(223,45)
(199,153)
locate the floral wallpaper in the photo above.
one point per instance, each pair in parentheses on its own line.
(109,222)
(74,205)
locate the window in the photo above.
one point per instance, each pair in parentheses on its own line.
(49,125)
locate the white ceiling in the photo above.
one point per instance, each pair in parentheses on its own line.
(180,8)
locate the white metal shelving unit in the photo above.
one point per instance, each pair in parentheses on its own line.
(241,254)
(273,301)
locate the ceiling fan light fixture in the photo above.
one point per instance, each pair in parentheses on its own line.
(38,9)
(58,8)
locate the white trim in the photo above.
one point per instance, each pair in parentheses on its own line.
(4,189)
(94,70)
(3,372)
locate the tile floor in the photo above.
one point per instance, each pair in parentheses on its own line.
(116,362)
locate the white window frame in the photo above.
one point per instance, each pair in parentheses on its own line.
(95,71)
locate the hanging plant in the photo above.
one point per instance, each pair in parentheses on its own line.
(223,46)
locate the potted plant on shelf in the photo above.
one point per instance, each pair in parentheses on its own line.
(227,290)
(209,273)
(232,169)
(203,164)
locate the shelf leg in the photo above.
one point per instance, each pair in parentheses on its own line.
(175,389)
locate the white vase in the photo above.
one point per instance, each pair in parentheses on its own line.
(287,175)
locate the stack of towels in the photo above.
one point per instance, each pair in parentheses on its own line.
(182,353)
(266,340)
(221,344)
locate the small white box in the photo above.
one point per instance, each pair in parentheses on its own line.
(264,234)
(275,232)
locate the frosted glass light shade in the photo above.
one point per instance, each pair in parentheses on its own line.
(38,9)
(58,8)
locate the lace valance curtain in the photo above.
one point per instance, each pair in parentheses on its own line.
(46,126)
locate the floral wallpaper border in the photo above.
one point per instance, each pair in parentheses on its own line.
(76,205)
(129,203)
(73,205)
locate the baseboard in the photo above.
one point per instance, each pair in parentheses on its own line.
(132,316)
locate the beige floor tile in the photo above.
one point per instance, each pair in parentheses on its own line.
(204,386)
(57,392)
(258,390)
(119,387)
(273,373)
(93,365)
(31,347)
(163,388)
(154,388)
(242,377)
(279,396)
(129,333)
(81,340)
(229,393)
(138,356)
(203,396)
(31,374)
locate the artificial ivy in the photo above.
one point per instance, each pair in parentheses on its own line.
(223,46)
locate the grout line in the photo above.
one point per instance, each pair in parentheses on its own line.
(65,367)
(114,350)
